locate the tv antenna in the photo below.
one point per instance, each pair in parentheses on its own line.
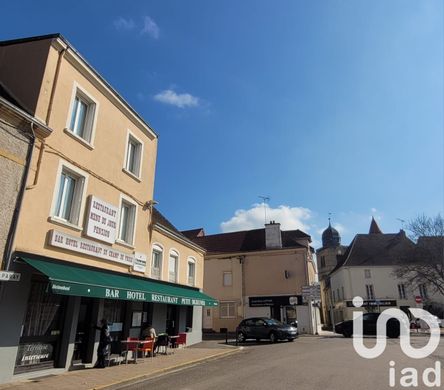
(265,199)
(402,222)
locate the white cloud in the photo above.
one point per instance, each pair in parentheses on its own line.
(289,217)
(124,24)
(150,27)
(182,100)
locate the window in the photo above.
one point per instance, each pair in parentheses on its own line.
(172,267)
(334,297)
(156,262)
(343,295)
(81,122)
(133,155)
(69,196)
(322,261)
(423,291)
(227,279)
(401,291)
(127,222)
(191,271)
(227,310)
(367,274)
(370,292)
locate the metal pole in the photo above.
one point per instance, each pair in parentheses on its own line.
(316,321)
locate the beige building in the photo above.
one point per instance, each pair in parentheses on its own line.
(88,243)
(257,273)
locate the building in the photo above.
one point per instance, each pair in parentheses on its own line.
(87,243)
(258,272)
(326,258)
(366,269)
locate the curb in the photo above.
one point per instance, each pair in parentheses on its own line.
(161,371)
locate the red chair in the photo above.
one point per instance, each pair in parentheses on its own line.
(133,347)
(148,347)
(182,339)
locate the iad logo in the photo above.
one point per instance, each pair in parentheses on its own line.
(410,375)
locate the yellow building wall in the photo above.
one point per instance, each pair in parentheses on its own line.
(102,164)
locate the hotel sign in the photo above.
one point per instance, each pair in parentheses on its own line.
(88,247)
(139,262)
(102,220)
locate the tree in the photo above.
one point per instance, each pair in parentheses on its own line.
(424,265)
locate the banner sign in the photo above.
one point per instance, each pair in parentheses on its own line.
(375,302)
(87,247)
(101,221)
(280,300)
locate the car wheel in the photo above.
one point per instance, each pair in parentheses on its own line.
(347,333)
(273,337)
(241,337)
(290,339)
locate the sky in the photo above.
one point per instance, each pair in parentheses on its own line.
(331,106)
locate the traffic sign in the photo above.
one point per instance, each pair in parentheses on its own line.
(418,299)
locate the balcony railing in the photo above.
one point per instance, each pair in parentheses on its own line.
(172,277)
(155,273)
(191,280)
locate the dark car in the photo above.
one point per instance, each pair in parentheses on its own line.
(265,328)
(368,326)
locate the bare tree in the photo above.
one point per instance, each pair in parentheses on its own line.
(425,263)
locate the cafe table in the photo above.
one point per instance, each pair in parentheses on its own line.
(173,341)
(138,343)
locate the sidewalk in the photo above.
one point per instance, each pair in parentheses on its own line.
(112,377)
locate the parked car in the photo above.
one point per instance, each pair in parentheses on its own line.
(265,328)
(369,326)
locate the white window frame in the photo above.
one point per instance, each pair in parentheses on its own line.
(173,253)
(138,174)
(91,116)
(79,197)
(126,199)
(228,303)
(159,249)
(370,290)
(223,278)
(401,291)
(191,282)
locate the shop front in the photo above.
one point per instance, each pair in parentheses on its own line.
(279,307)
(65,301)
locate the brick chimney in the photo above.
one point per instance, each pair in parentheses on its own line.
(273,238)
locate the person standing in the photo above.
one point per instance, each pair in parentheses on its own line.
(104,341)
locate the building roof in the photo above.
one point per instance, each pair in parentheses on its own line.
(193,233)
(372,249)
(159,219)
(247,241)
(374,228)
(330,237)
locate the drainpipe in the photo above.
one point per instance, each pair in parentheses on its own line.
(18,205)
(54,85)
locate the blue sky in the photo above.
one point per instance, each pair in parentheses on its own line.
(324,106)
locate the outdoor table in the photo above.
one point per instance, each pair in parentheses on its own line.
(173,341)
(137,342)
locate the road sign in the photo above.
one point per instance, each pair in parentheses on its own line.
(9,276)
(418,299)
(312,292)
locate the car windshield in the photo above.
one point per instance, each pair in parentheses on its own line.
(272,321)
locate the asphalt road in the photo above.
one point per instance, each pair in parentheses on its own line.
(309,363)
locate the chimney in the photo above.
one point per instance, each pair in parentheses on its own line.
(273,238)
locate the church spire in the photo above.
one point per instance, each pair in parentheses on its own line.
(374,228)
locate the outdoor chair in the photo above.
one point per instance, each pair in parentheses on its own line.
(148,347)
(133,347)
(182,340)
(162,342)
(115,353)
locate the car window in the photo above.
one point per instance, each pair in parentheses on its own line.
(259,322)
(370,316)
(248,323)
(272,321)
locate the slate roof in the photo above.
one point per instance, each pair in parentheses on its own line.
(159,219)
(247,241)
(193,233)
(376,250)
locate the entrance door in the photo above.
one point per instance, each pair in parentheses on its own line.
(208,319)
(83,331)
(172,320)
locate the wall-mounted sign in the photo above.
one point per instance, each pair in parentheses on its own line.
(374,302)
(34,353)
(9,276)
(87,247)
(278,300)
(101,220)
(139,262)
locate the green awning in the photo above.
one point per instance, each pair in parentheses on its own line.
(74,280)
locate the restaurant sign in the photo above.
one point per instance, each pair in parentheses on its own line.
(67,288)
(139,262)
(88,247)
(34,353)
(102,220)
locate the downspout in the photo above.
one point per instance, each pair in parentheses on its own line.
(18,205)
(241,261)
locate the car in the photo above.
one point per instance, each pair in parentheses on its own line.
(265,328)
(369,326)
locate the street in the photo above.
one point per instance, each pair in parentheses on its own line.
(307,363)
